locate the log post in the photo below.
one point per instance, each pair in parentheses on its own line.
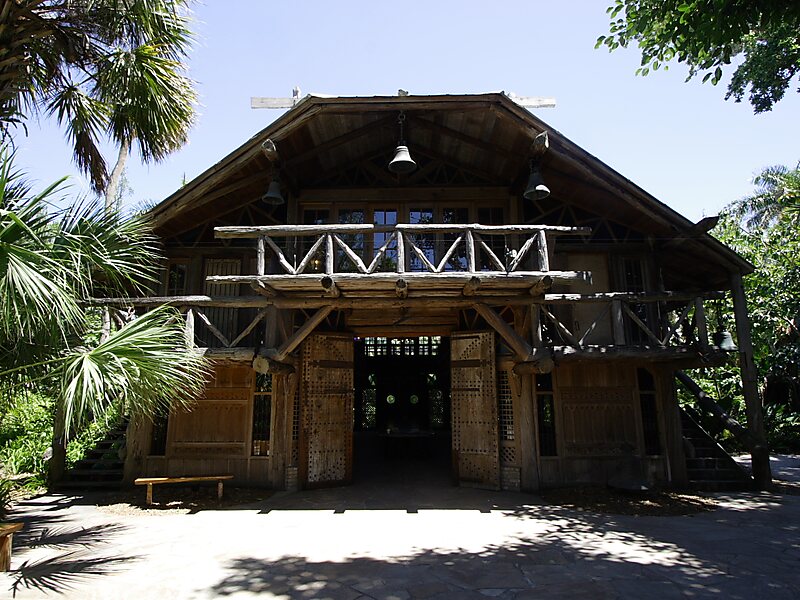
(137,441)
(702,324)
(261,256)
(329,254)
(401,252)
(619,324)
(470,244)
(280,451)
(401,288)
(544,257)
(752,400)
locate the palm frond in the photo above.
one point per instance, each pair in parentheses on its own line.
(146,364)
(151,101)
(106,250)
(84,119)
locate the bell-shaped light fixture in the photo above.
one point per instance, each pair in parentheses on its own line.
(536,188)
(402,163)
(724,341)
(273,197)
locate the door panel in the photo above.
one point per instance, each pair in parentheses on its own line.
(326,417)
(474,410)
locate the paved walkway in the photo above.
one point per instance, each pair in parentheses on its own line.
(398,542)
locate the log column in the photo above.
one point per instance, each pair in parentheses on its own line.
(755,417)
(525,406)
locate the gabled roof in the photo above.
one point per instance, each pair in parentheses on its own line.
(487,137)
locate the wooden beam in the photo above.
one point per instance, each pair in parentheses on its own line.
(401,288)
(541,361)
(517,343)
(263,289)
(330,287)
(759,450)
(463,137)
(540,287)
(635,297)
(262,363)
(471,286)
(301,334)
(253,231)
(342,139)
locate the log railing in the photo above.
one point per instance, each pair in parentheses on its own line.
(655,320)
(234,325)
(398,249)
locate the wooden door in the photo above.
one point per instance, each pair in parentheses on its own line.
(474,410)
(326,411)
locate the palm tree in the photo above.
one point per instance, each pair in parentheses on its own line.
(51,262)
(100,67)
(777,195)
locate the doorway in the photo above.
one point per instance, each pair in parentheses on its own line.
(402,410)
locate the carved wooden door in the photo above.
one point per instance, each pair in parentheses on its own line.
(474,409)
(326,411)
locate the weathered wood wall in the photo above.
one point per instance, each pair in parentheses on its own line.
(214,437)
(599,427)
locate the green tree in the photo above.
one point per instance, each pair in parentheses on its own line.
(101,68)
(777,196)
(50,262)
(762,227)
(707,35)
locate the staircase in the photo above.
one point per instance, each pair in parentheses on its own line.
(709,467)
(102,467)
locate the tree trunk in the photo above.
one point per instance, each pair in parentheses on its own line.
(58,460)
(755,417)
(112,203)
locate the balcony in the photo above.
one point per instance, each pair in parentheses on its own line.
(319,269)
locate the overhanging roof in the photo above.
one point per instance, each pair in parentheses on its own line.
(488,135)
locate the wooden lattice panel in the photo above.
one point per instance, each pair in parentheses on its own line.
(326,413)
(474,409)
(599,421)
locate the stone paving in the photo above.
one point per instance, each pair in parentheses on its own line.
(395,542)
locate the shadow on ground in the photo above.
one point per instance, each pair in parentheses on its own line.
(84,553)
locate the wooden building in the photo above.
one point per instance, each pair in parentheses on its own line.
(449,312)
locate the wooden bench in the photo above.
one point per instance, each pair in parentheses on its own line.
(151,481)
(7,531)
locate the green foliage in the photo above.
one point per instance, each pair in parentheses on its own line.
(765,229)
(50,262)
(707,35)
(26,433)
(101,68)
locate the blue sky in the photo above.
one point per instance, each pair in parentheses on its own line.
(681,142)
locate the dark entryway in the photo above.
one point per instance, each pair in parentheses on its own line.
(402,409)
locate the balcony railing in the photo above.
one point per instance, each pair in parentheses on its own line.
(674,325)
(409,250)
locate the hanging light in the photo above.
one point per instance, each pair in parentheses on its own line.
(273,196)
(724,341)
(536,188)
(402,163)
